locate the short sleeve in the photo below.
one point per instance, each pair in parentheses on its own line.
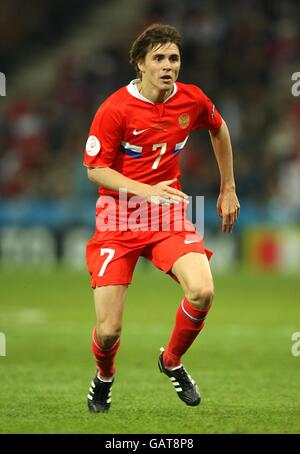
(104,138)
(208,115)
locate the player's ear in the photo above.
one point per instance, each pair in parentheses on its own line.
(141,66)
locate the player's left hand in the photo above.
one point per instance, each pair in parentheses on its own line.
(228,207)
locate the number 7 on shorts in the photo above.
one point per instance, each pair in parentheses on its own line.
(111,253)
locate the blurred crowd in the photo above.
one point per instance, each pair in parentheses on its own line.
(241,54)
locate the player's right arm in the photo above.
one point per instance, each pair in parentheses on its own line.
(103,143)
(160,193)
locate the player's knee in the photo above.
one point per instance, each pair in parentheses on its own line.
(108,334)
(201,297)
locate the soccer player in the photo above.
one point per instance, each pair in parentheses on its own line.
(132,154)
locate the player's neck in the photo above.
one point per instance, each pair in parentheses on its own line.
(153,93)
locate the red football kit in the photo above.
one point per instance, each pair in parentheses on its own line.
(142,140)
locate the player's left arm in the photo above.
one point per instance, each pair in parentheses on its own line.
(228,204)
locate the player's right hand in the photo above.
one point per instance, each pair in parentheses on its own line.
(163,194)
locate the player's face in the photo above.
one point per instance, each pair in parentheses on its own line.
(161,66)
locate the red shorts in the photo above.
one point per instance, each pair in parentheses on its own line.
(111,256)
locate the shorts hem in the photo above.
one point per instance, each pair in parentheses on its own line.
(107,284)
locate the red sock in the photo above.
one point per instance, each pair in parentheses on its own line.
(104,356)
(188,324)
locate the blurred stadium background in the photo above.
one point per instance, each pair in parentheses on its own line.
(61,61)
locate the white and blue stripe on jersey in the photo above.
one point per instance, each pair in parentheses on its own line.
(136,151)
(131,150)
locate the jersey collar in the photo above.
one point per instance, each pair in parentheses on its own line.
(132,88)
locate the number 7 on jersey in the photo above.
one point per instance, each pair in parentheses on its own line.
(163,147)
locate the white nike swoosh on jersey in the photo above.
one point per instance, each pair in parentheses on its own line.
(135,132)
(190,241)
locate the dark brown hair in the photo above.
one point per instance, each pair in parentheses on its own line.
(154,35)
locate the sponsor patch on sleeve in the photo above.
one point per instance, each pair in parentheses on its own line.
(92,146)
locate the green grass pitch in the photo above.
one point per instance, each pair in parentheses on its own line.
(242,361)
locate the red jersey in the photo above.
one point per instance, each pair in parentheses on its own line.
(142,139)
